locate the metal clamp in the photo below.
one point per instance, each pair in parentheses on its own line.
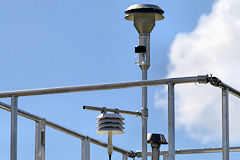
(103,110)
(214,81)
(116,111)
(144,112)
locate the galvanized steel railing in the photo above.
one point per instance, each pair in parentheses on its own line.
(190,151)
(40,136)
(41,123)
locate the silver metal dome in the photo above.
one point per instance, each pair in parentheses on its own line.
(144,9)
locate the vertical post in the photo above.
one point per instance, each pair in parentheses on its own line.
(124,157)
(155,151)
(171,123)
(144,117)
(225,124)
(85,149)
(110,146)
(40,140)
(165,157)
(14,127)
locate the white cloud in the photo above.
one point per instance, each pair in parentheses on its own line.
(213,47)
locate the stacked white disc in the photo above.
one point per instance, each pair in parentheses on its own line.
(110,122)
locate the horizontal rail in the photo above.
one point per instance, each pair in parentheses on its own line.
(192,151)
(206,150)
(231,90)
(104,109)
(66,130)
(103,144)
(42,91)
(218,83)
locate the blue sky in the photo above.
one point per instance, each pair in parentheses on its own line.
(63,43)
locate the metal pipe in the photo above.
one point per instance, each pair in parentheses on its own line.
(231,90)
(20,112)
(40,140)
(204,150)
(144,40)
(171,122)
(225,125)
(165,157)
(69,89)
(218,83)
(144,117)
(110,146)
(66,130)
(85,150)
(102,109)
(124,157)
(155,151)
(192,151)
(14,103)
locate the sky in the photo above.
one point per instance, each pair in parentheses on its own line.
(66,43)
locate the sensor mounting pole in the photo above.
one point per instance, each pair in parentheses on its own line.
(144,17)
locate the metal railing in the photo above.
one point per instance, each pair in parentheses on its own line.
(95,87)
(40,136)
(190,151)
(40,122)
